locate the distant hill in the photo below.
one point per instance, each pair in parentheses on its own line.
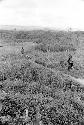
(40,35)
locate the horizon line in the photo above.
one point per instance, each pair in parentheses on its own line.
(27,28)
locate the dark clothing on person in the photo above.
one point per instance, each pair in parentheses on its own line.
(22,50)
(70,63)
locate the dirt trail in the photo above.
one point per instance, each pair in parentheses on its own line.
(79,80)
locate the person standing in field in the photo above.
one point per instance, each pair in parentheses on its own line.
(70,62)
(22,50)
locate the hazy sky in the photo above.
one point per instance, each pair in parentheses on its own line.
(47,13)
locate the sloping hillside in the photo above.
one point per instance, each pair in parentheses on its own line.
(39,86)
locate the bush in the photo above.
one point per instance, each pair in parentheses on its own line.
(9,107)
(67,84)
(78,107)
(54,47)
(32,112)
(41,62)
(35,75)
(60,48)
(41,47)
(2,76)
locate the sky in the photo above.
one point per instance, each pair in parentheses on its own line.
(57,14)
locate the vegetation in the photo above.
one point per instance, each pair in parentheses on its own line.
(39,91)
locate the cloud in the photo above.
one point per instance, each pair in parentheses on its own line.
(1,0)
(14,4)
(52,13)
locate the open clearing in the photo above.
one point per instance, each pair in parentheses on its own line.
(15,49)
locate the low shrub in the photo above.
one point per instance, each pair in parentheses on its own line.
(54,47)
(41,47)
(41,62)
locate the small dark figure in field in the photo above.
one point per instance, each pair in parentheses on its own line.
(22,50)
(70,63)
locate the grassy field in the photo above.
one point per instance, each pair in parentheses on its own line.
(36,86)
